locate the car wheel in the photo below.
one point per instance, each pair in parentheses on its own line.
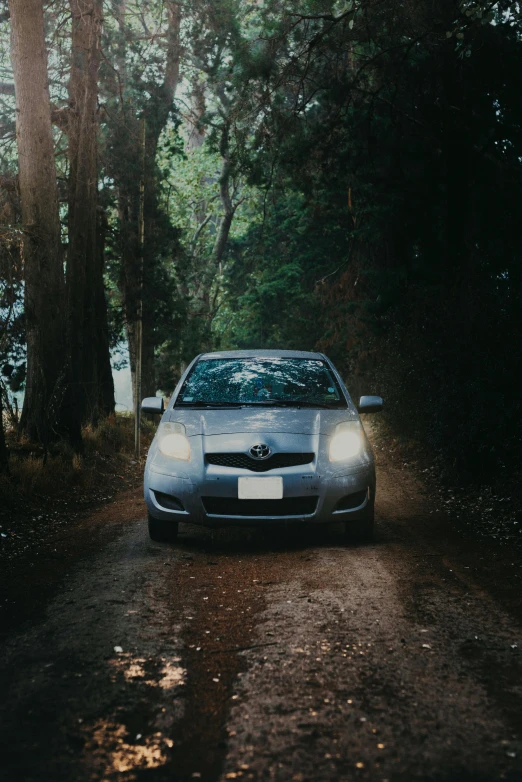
(162,531)
(363,529)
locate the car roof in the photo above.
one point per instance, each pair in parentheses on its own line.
(262,354)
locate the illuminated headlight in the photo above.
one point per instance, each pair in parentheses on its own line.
(173,442)
(347,442)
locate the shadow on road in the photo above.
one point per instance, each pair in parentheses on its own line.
(259,540)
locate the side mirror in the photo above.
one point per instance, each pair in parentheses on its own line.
(370,404)
(153,404)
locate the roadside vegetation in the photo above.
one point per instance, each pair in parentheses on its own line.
(339,176)
(40,495)
(62,470)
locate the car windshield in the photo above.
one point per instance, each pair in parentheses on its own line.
(261,381)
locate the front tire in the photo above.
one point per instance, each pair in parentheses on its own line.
(362,530)
(162,531)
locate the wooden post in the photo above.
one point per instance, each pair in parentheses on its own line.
(139,324)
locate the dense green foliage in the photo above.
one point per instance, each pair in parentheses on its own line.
(391,240)
(342,176)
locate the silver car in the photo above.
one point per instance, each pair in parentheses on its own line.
(260,437)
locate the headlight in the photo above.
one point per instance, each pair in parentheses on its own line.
(347,442)
(173,442)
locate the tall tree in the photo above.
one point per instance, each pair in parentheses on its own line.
(141,102)
(46,404)
(87,319)
(156,116)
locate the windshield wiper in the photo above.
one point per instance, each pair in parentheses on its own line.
(322,405)
(203,403)
(271,403)
(298,403)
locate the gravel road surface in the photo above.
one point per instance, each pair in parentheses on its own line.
(263,655)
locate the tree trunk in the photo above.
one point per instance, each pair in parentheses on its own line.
(137,261)
(228,215)
(105,381)
(193,123)
(4,463)
(225,225)
(85,293)
(130,268)
(47,406)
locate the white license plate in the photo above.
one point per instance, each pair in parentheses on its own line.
(260,488)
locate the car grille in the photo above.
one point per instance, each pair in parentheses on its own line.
(245,462)
(290,506)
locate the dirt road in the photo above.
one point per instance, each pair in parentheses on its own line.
(264,655)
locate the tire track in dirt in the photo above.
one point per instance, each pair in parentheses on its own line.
(377,681)
(251,654)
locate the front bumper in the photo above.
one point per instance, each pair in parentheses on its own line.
(304,490)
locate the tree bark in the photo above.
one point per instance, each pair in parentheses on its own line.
(229,211)
(104,379)
(228,215)
(194,128)
(85,292)
(4,462)
(47,408)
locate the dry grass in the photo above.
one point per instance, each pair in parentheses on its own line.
(108,450)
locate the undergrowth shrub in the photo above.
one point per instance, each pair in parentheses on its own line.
(105,447)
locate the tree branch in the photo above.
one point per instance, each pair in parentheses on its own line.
(60,117)
(200,228)
(325,17)
(7,129)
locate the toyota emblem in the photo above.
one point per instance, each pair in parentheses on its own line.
(260,451)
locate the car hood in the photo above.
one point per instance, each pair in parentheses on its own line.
(247,419)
